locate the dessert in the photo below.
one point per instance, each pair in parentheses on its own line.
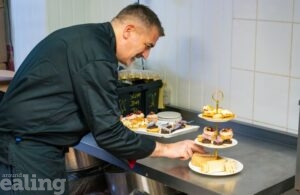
(212,164)
(134,121)
(172,126)
(218,141)
(217,116)
(208,136)
(226,134)
(226,113)
(139,115)
(211,112)
(153,128)
(152,117)
(208,111)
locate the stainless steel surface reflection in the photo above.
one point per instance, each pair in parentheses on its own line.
(122,182)
(77,160)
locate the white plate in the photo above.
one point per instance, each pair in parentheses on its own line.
(234,142)
(240,167)
(216,120)
(169,115)
(187,129)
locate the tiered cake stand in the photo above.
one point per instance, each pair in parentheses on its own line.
(217,97)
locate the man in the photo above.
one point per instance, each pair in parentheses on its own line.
(65,88)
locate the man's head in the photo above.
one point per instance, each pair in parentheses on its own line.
(137,29)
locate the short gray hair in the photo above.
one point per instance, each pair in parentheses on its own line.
(143,13)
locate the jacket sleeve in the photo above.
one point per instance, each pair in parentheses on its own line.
(95,87)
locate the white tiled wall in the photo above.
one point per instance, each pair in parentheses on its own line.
(247,48)
(253,58)
(268,38)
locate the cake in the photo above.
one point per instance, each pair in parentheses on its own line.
(208,111)
(152,117)
(135,121)
(226,113)
(226,134)
(212,112)
(208,136)
(213,164)
(218,141)
(153,128)
(139,115)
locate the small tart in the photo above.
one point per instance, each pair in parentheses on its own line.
(130,116)
(139,114)
(152,117)
(210,131)
(218,141)
(226,133)
(153,129)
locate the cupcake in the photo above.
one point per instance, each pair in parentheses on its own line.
(152,117)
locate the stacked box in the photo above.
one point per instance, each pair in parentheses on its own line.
(143,97)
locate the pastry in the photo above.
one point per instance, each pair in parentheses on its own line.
(208,111)
(139,115)
(212,164)
(153,128)
(152,117)
(209,135)
(135,121)
(226,134)
(226,113)
(130,116)
(218,141)
(217,116)
(212,112)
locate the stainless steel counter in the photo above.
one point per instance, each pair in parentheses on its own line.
(269,160)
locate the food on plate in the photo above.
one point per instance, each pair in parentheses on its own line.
(226,134)
(217,116)
(211,135)
(130,116)
(153,128)
(139,115)
(135,121)
(226,113)
(218,141)
(208,136)
(208,111)
(152,117)
(212,164)
(212,112)
(170,127)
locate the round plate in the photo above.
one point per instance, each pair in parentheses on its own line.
(169,115)
(221,120)
(234,142)
(240,167)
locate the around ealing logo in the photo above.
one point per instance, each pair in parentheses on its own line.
(22,182)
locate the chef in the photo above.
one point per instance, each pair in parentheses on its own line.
(66,88)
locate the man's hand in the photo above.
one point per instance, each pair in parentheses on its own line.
(182,150)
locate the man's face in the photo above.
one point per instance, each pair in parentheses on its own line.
(138,43)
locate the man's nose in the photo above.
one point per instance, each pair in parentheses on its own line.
(146,53)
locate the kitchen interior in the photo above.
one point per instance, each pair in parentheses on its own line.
(245,48)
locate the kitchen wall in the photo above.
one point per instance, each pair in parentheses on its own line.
(246,48)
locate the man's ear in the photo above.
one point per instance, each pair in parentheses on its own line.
(128,30)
